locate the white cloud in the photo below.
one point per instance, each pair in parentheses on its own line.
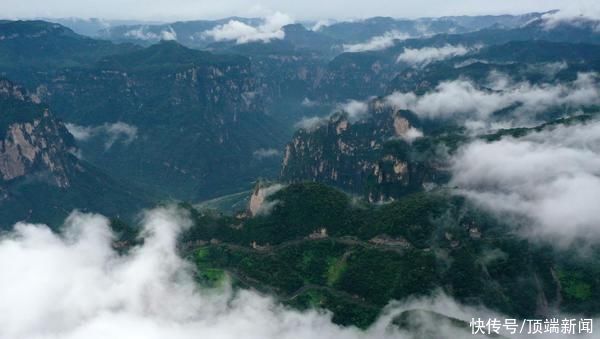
(270,29)
(169,34)
(74,285)
(356,109)
(471,61)
(80,133)
(426,55)
(142,33)
(589,18)
(311,123)
(474,106)
(411,134)
(463,99)
(118,131)
(550,68)
(552,178)
(377,43)
(259,203)
(263,153)
(308,103)
(322,23)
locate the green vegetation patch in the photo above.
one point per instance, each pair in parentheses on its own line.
(337,266)
(574,286)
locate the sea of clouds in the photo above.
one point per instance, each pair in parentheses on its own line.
(551,178)
(73,285)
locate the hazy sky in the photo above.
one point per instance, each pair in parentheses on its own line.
(298,9)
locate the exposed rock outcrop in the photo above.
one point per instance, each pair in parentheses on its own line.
(259,202)
(373,156)
(32,141)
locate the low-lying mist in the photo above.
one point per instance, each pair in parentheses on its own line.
(550,177)
(73,284)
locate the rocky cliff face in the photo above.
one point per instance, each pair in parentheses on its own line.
(374,156)
(154,83)
(199,118)
(259,203)
(32,141)
(41,180)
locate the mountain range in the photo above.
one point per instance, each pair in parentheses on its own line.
(337,165)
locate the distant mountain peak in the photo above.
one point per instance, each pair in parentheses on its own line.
(33,29)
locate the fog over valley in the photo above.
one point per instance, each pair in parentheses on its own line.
(299,170)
